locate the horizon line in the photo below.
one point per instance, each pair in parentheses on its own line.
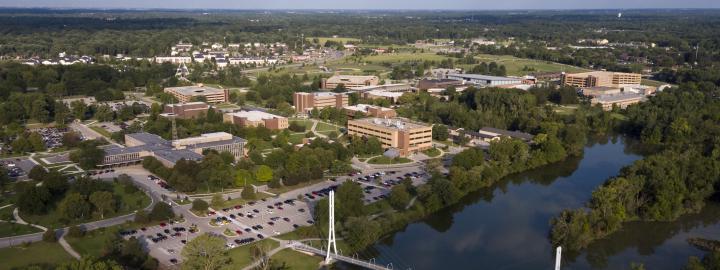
(348,9)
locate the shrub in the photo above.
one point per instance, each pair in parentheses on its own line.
(199,205)
(49,235)
(76,232)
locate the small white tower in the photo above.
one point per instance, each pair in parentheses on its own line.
(620,15)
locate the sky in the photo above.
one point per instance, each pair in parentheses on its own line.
(366,4)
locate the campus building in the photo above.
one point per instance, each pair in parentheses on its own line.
(143,144)
(600,78)
(185,110)
(305,102)
(187,93)
(396,88)
(485,80)
(349,81)
(370,110)
(620,100)
(426,84)
(255,119)
(398,133)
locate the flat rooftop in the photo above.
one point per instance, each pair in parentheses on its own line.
(620,97)
(380,87)
(365,107)
(393,123)
(383,93)
(255,115)
(484,77)
(148,138)
(196,90)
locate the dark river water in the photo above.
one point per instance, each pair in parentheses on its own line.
(506,227)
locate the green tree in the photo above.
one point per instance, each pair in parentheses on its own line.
(243,177)
(364,232)
(74,206)
(440,132)
(263,173)
(38,173)
(349,198)
(36,141)
(248,193)
(399,197)
(217,201)
(103,201)
(205,252)
(199,205)
(161,211)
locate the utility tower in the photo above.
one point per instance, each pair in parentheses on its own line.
(331,228)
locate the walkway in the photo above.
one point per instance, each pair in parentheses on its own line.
(305,248)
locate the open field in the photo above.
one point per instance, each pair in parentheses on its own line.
(8,229)
(92,243)
(336,39)
(290,259)
(373,64)
(40,253)
(242,255)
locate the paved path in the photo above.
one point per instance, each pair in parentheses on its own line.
(19,220)
(67,246)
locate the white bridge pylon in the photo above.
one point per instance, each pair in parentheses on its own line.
(331,228)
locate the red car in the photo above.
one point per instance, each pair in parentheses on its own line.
(163,224)
(239,232)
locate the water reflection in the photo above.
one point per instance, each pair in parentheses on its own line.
(505,226)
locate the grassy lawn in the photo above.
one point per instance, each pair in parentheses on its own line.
(307,123)
(387,160)
(242,256)
(515,65)
(8,229)
(652,82)
(101,130)
(565,110)
(296,138)
(336,39)
(432,152)
(128,204)
(402,57)
(291,259)
(322,126)
(93,242)
(40,253)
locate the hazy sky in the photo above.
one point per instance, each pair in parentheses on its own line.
(365,4)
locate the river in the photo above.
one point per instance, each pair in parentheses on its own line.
(506,226)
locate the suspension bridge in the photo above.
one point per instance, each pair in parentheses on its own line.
(337,257)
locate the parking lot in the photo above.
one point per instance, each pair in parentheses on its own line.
(263,218)
(17,167)
(166,240)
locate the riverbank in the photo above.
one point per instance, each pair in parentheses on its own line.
(505,225)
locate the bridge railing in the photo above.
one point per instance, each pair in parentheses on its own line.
(338,257)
